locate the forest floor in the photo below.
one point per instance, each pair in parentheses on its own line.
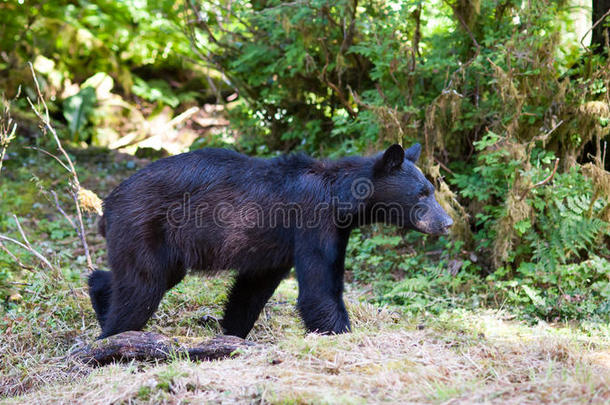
(458,356)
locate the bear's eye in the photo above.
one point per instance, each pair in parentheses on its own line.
(423,193)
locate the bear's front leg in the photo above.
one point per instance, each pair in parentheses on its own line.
(248,296)
(319,264)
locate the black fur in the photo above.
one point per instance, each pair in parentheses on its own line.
(287,211)
(100,284)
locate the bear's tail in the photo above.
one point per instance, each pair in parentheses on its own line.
(100,289)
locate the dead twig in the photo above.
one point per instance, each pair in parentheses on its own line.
(8,127)
(63,212)
(543,182)
(49,154)
(545,136)
(47,123)
(76,187)
(81,234)
(29,249)
(593,27)
(15,258)
(441,164)
(27,246)
(21,231)
(337,91)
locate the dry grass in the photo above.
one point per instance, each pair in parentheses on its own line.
(455,358)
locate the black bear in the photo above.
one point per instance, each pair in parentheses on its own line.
(215,209)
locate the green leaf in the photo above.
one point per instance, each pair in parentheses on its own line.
(533,295)
(155,90)
(77,110)
(522,226)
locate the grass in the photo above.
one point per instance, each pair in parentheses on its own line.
(455,356)
(459,356)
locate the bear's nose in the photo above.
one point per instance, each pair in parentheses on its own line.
(448,223)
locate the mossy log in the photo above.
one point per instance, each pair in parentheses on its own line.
(149,346)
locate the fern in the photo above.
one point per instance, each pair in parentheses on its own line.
(564,238)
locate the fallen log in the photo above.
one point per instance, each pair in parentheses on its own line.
(150,346)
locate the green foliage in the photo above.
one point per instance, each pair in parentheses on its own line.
(78,110)
(555,243)
(84,37)
(571,291)
(155,90)
(129,44)
(564,231)
(300,76)
(370,258)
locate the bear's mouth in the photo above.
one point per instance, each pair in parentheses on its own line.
(427,228)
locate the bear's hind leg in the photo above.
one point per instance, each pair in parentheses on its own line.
(136,296)
(100,288)
(247,298)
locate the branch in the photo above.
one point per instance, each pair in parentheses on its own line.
(543,182)
(210,61)
(70,165)
(29,249)
(441,164)
(338,91)
(49,154)
(63,212)
(148,346)
(6,121)
(47,122)
(545,136)
(81,234)
(593,27)
(7,133)
(417,32)
(15,258)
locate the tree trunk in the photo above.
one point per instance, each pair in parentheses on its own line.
(598,40)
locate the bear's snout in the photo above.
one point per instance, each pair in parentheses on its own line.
(430,218)
(442,224)
(445,227)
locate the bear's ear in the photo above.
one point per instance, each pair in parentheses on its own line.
(392,159)
(413,152)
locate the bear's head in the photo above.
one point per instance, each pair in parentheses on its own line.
(403,196)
